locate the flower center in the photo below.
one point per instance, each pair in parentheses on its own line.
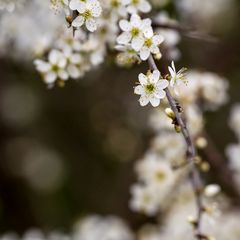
(87,14)
(55,68)
(149,88)
(135,32)
(148,42)
(160,176)
(115,3)
(135,2)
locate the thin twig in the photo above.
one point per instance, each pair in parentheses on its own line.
(186,31)
(191,155)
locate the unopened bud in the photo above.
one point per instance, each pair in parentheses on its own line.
(69,19)
(201,142)
(177,128)
(205,167)
(158,56)
(197,160)
(169,112)
(192,220)
(212,190)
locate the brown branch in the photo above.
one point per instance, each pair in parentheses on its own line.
(191,155)
(186,31)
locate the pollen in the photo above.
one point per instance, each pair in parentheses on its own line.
(149,88)
(87,14)
(135,32)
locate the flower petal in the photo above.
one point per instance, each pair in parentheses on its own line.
(135,20)
(162,84)
(124,38)
(142,79)
(50,77)
(76,5)
(78,21)
(154,101)
(157,39)
(148,31)
(144,100)
(139,90)
(160,94)
(155,76)
(125,25)
(144,53)
(137,43)
(91,24)
(96,10)
(144,6)
(54,56)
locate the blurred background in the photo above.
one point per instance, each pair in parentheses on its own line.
(67,152)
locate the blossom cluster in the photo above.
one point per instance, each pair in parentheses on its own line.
(91,227)
(163,168)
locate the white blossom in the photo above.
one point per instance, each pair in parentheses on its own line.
(151,88)
(151,45)
(88,11)
(135,6)
(177,78)
(134,31)
(54,69)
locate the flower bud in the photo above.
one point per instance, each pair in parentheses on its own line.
(201,142)
(212,190)
(169,112)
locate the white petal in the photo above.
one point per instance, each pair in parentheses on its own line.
(125,25)
(173,66)
(148,32)
(75,58)
(135,20)
(137,43)
(162,84)
(139,90)
(125,2)
(154,49)
(147,22)
(172,72)
(62,62)
(142,79)
(144,100)
(91,24)
(53,56)
(63,75)
(73,71)
(50,77)
(154,101)
(144,6)
(131,9)
(144,53)
(42,66)
(155,76)
(78,21)
(157,39)
(75,5)
(96,10)
(160,94)
(124,38)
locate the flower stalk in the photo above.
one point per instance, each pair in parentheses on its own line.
(191,154)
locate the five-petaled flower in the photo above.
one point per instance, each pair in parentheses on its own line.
(151,88)
(151,44)
(134,31)
(88,11)
(54,69)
